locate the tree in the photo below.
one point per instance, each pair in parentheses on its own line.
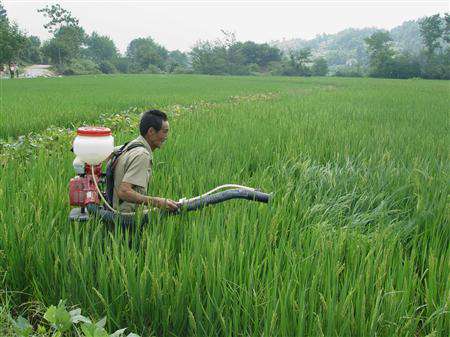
(32,51)
(208,58)
(13,41)
(68,36)
(431,30)
(3,15)
(298,60)
(65,45)
(260,54)
(267,54)
(144,52)
(177,60)
(435,32)
(231,50)
(320,67)
(59,17)
(379,46)
(100,48)
(446,36)
(122,64)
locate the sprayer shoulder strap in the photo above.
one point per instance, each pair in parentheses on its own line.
(125,148)
(111,166)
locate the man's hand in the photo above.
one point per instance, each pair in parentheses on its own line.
(165,204)
(127,193)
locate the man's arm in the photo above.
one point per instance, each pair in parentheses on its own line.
(127,193)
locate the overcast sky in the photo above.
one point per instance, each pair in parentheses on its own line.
(179,24)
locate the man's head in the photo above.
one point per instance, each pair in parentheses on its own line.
(154,127)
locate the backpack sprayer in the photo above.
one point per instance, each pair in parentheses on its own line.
(92,146)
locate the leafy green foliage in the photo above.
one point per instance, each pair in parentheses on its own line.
(59,317)
(68,36)
(65,45)
(107,67)
(298,63)
(177,60)
(208,58)
(83,67)
(144,52)
(64,322)
(59,17)
(260,54)
(227,56)
(100,48)
(320,67)
(32,51)
(3,14)
(379,45)
(431,30)
(13,41)
(22,327)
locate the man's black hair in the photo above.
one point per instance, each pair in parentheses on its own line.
(151,119)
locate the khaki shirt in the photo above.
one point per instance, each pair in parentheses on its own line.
(134,167)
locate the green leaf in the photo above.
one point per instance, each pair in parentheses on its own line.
(22,327)
(41,330)
(50,314)
(93,330)
(59,317)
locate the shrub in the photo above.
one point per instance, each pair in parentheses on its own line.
(348,72)
(80,67)
(152,69)
(122,64)
(182,70)
(253,68)
(107,67)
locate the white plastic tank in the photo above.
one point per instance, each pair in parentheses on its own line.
(93,144)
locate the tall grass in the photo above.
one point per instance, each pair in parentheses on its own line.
(355,242)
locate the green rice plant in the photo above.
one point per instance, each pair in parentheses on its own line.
(354,243)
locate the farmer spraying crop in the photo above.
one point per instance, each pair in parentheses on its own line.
(128,173)
(133,169)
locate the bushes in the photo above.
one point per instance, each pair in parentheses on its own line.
(79,67)
(348,72)
(86,67)
(122,64)
(152,69)
(182,70)
(107,67)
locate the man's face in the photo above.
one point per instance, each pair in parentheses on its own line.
(157,138)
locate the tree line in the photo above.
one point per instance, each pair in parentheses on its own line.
(73,52)
(432,62)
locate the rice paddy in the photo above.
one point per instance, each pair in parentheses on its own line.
(354,243)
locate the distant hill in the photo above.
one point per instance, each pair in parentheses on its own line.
(348,48)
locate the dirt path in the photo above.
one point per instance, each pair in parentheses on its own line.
(37,70)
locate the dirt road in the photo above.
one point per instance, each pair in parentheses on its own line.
(37,70)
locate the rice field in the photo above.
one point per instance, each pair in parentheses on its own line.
(356,241)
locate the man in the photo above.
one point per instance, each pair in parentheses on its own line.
(12,69)
(134,167)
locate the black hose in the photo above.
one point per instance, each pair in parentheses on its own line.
(127,221)
(224,196)
(111,218)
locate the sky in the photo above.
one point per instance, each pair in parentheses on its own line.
(180,24)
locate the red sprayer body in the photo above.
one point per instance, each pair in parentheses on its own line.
(82,190)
